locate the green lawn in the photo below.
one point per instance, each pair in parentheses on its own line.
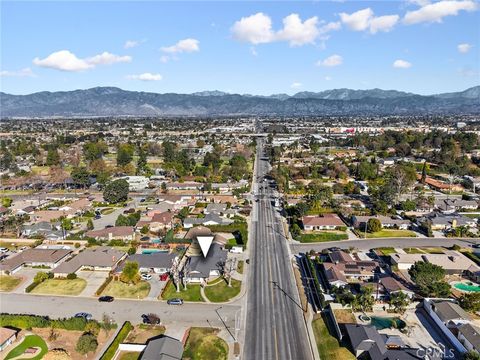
(386,233)
(107,211)
(12,244)
(413,251)
(129,356)
(204,344)
(131,291)
(220,292)
(191,294)
(240,267)
(328,346)
(8,282)
(386,250)
(60,287)
(29,341)
(321,237)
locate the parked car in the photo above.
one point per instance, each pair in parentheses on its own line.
(23,248)
(3,250)
(98,217)
(106,298)
(175,302)
(146,276)
(84,315)
(152,319)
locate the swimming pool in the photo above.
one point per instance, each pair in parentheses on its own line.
(387,322)
(467,286)
(152,251)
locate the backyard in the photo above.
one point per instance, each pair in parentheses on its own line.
(328,346)
(131,291)
(219,291)
(30,341)
(8,282)
(60,287)
(204,344)
(192,293)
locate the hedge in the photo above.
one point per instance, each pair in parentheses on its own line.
(121,336)
(32,286)
(31,321)
(104,285)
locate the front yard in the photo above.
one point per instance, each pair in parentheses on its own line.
(321,236)
(29,342)
(328,346)
(131,291)
(8,282)
(220,292)
(192,293)
(60,287)
(204,344)
(390,233)
(141,333)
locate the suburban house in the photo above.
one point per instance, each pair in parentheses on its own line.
(453,262)
(102,258)
(469,336)
(136,183)
(209,219)
(113,233)
(343,269)
(34,257)
(161,221)
(7,337)
(440,185)
(360,222)
(440,221)
(42,228)
(452,205)
(390,285)
(215,208)
(323,222)
(162,348)
(158,262)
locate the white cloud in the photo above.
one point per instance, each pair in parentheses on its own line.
(401,64)
(257,29)
(253,51)
(145,77)
(435,12)
(419,2)
(164,59)
(330,61)
(296,85)
(464,48)
(25,72)
(296,32)
(254,29)
(365,19)
(328,78)
(185,45)
(67,61)
(132,43)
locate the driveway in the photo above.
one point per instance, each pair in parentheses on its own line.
(27,274)
(94,280)
(156,287)
(108,219)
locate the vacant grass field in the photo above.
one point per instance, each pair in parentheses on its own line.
(387,233)
(130,291)
(8,282)
(321,237)
(328,346)
(191,294)
(29,341)
(60,287)
(204,344)
(220,292)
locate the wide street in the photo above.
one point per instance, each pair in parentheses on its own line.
(275,326)
(188,314)
(365,244)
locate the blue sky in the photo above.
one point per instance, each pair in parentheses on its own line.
(269,47)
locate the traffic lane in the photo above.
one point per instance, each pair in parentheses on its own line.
(365,244)
(120,310)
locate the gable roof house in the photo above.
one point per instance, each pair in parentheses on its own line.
(359,222)
(209,219)
(116,232)
(469,336)
(103,258)
(158,262)
(34,257)
(324,222)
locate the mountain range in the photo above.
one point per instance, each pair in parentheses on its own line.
(111,101)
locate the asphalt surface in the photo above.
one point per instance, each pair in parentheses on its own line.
(188,314)
(365,244)
(275,327)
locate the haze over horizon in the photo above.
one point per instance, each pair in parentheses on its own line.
(259,48)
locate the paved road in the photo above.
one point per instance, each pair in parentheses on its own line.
(365,244)
(120,310)
(275,328)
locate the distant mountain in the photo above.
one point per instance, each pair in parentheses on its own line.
(111,101)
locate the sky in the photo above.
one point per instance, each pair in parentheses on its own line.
(267,47)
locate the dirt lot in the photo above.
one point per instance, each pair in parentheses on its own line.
(68,339)
(344,316)
(141,333)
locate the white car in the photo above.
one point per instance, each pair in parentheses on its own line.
(146,276)
(3,250)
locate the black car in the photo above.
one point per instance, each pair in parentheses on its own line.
(106,298)
(175,302)
(151,319)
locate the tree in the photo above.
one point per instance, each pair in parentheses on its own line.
(424,173)
(399,301)
(40,276)
(130,273)
(168,151)
(89,224)
(364,300)
(53,158)
(94,150)
(86,343)
(429,278)
(116,191)
(81,176)
(142,160)
(7,202)
(374,225)
(471,355)
(132,250)
(470,301)
(125,154)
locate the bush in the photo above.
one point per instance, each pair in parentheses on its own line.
(32,321)
(104,285)
(121,336)
(32,286)
(71,276)
(86,343)
(77,245)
